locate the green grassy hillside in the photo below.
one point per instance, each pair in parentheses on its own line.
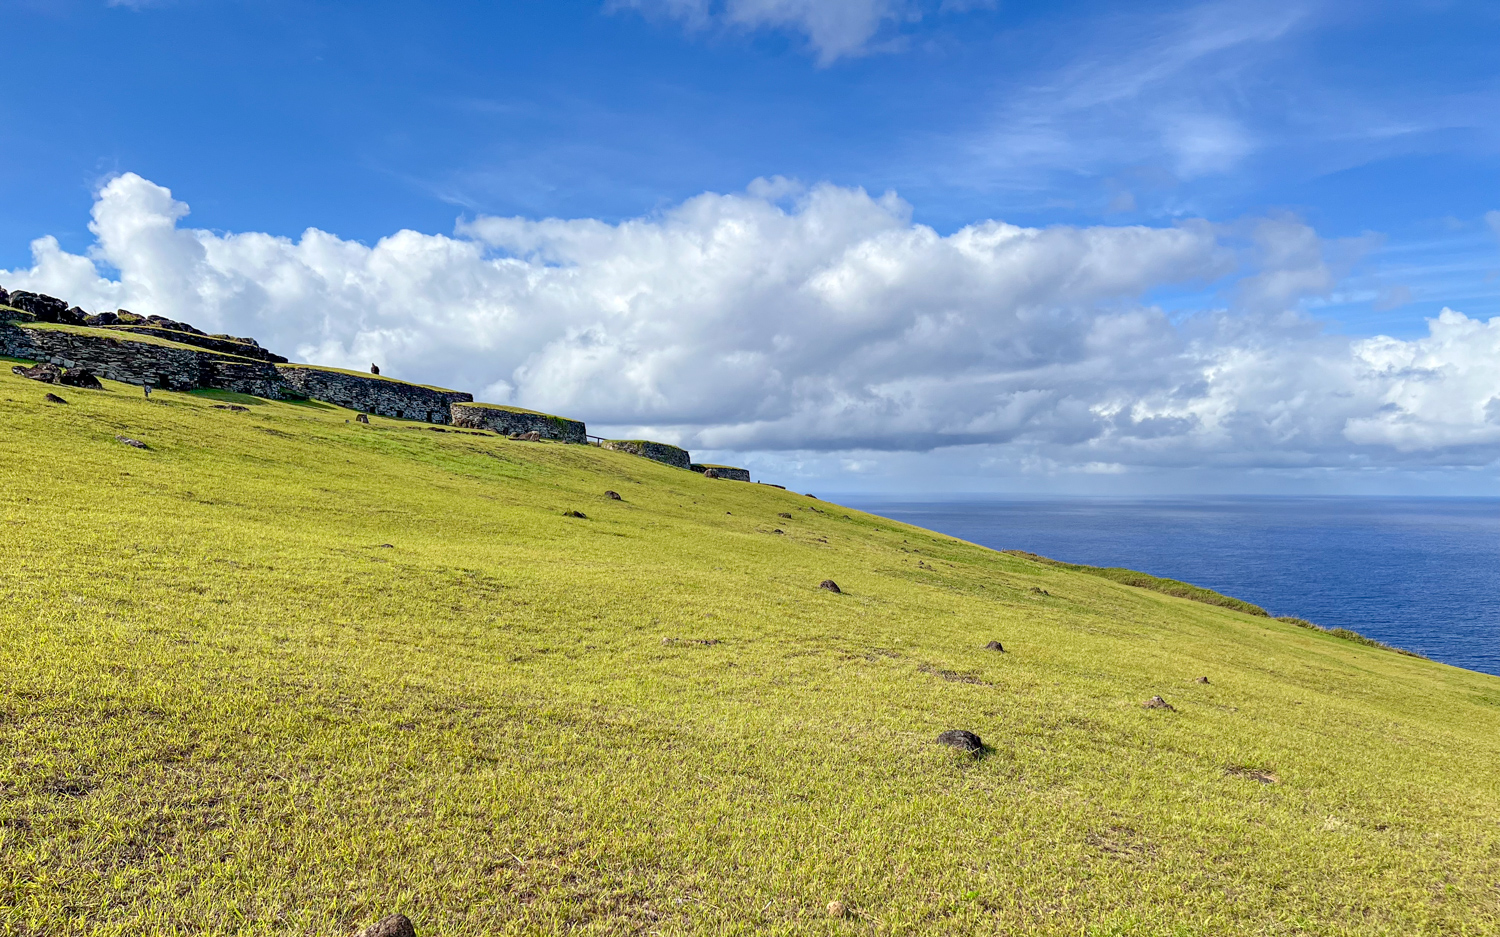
(282,673)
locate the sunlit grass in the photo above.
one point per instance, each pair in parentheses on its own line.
(285,673)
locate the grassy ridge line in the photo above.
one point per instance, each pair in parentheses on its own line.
(282,673)
(1130,577)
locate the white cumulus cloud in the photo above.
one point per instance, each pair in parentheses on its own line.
(824,319)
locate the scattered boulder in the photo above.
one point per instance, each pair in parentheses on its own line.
(831,586)
(81,377)
(612,495)
(1039,590)
(778,530)
(575,514)
(785,515)
(711,473)
(133,443)
(46,372)
(102,319)
(392,925)
(532,436)
(53,398)
(961,739)
(995,646)
(4,297)
(1156,702)
(362,418)
(837,909)
(1201,680)
(236,407)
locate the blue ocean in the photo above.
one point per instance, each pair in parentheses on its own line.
(1418,573)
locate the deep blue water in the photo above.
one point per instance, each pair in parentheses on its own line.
(1418,573)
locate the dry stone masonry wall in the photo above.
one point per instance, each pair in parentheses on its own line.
(509,420)
(730,472)
(118,357)
(657,451)
(382,396)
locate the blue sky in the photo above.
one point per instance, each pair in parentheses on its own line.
(1372,125)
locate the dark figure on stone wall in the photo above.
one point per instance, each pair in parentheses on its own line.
(374,369)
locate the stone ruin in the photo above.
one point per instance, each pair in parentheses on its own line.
(76,348)
(731,472)
(656,451)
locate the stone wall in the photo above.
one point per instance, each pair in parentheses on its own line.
(508,420)
(656,451)
(227,346)
(116,356)
(367,393)
(723,471)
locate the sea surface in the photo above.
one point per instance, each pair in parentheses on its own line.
(1418,573)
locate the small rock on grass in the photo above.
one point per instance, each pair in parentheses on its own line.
(362,418)
(961,739)
(837,909)
(235,407)
(133,443)
(995,646)
(785,515)
(1156,702)
(575,514)
(1201,680)
(393,925)
(612,495)
(831,586)
(53,398)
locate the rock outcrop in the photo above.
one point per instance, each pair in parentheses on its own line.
(656,451)
(515,420)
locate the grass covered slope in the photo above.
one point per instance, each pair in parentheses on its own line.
(283,673)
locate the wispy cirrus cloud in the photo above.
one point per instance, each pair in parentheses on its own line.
(834,28)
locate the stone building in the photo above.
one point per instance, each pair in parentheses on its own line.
(507,420)
(656,451)
(369,393)
(730,472)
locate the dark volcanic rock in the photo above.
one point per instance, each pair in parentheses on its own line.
(53,398)
(785,515)
(362,418)
(102,319)
(46,372)
(612,495)
(994,646)
(962,739)
(45,308)
(374,369)
(231,406)
(575,514)
(133,443)
(1156,702)
(394,925)
(1201,680)
(4,297)
(831,586)
(81,377)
